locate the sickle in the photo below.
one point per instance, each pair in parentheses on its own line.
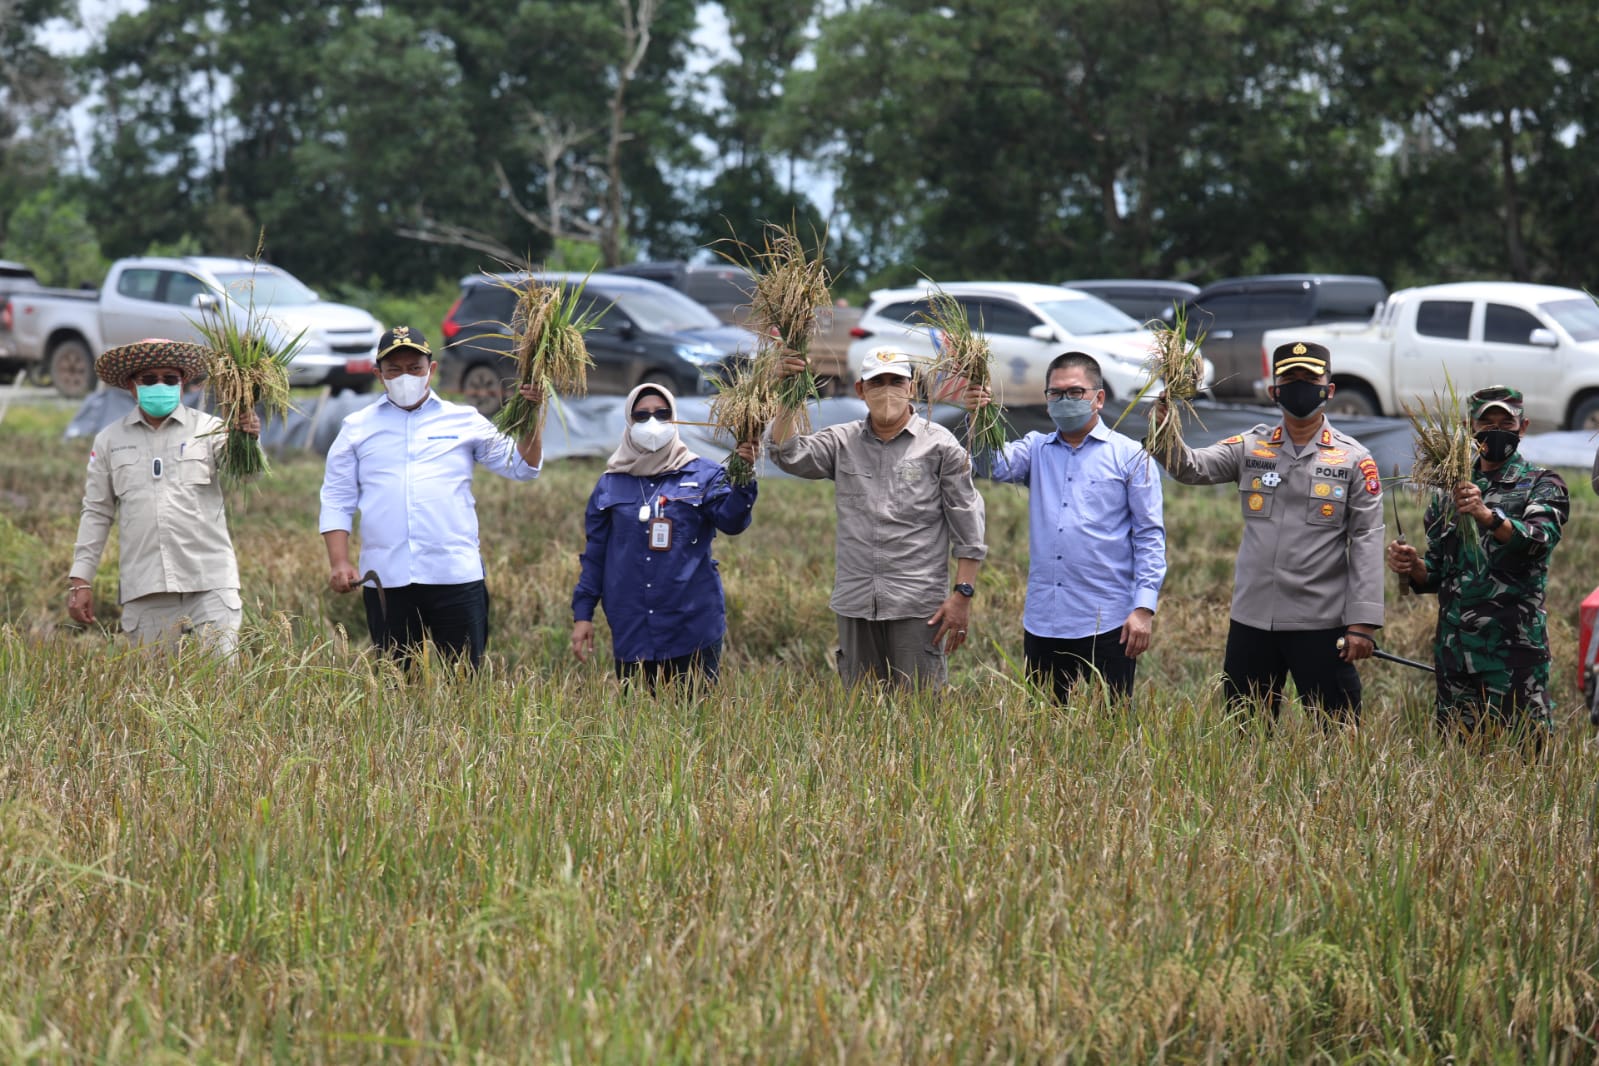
(377,582)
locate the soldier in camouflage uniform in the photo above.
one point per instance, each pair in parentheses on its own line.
(1488,560)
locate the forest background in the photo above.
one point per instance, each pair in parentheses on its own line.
(389,149)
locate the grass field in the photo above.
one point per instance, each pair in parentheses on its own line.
(301,858)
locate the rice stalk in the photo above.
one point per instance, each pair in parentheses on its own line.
(745,402)
(546,334)
(964,356)
(245,370)
(1445,452)
(1176,361)
(790,288)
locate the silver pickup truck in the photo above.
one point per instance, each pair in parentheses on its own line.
(64,331)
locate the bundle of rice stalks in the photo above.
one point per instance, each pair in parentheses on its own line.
(246,370)
(964,360)
(790,288)
(546,334)
(1177,363)
(1446,451)
(745,402)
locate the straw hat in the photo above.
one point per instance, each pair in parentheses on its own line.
(116,365)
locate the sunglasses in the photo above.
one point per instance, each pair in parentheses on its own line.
(663,415)
(158,379)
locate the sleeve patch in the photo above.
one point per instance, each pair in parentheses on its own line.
(1368,468)
(1374,486)
(1233,440)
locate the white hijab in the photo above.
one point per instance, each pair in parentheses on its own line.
(629,458)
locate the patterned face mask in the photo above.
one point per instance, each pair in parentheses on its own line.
(1498,444)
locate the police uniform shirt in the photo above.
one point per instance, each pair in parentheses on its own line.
(1311,556)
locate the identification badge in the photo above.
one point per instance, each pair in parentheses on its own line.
(660,534)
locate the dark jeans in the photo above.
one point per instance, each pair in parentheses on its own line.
(1259,661)
(455,617)
(701,666)
(1063,660)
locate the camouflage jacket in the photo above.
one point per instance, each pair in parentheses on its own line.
(1491,595)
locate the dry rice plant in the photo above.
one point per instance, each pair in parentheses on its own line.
(1178,363)
(745,401)
(965,358)
(546,334)
(790,289)
(1445,450)
(246,370)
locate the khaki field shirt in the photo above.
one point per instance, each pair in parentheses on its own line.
(174,533)
(1312,553)
(901,505)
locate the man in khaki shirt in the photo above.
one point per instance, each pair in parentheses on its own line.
(904,498)
(1310,568)
(157,467)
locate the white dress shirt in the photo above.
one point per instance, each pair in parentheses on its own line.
(409,473)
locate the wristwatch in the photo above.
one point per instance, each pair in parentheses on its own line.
(1499,520)
(965,589)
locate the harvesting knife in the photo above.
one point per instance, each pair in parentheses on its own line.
(377,583)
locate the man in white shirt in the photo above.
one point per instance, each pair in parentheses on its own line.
(406,464)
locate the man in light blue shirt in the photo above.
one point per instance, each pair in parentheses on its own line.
(1097,539)
(406,465)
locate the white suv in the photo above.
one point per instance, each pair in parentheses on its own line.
(1026,326)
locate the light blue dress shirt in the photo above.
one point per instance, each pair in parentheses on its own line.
(409,473)
(1098,541)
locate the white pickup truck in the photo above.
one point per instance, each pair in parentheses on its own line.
(1540,339)
(165,297)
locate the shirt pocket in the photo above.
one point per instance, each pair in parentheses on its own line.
(1103,494)
(1256,502)
(192,470)
(851,481)
(130,472)
(1325,510)
(916,490)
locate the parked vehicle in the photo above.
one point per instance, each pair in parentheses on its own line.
(1541,339)
(1026,325)
(166,297)
(646,332)
(1235,312)
(1144,300)
(17,278)
(722,288)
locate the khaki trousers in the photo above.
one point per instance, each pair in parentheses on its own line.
(167,617)
(896,650)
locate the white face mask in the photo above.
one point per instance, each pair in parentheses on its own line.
(407,390)
(652,436)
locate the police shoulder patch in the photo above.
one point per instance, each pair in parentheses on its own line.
(1235,439)
(1368,468)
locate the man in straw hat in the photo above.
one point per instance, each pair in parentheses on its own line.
(405,463)
(1487,558)
(1310,572)
(904,496)
(158,468)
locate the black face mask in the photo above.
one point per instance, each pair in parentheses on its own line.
(1498,444)
(1301,398)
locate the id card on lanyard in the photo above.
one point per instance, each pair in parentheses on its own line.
(660,529)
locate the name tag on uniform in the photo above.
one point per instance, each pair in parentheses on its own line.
(660,534)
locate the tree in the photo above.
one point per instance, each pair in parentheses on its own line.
(52,235)
(34,94)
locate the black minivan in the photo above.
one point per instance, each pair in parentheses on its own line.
(646,332)
(1236,312)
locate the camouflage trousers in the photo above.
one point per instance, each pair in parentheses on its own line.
(1509,699)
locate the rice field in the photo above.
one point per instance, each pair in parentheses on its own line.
(303,858)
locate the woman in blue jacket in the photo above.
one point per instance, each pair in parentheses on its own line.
(650,524)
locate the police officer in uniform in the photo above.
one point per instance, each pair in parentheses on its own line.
(1310,568)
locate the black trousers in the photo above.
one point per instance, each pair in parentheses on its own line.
(454,617)
(1063,660)
(1259,661)
(702,665)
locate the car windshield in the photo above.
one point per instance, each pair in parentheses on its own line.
(1088,316)
(661,310)
(1580,318)
(269,288)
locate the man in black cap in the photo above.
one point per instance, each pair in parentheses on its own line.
(405,463)
(1488,560)
(1310,567)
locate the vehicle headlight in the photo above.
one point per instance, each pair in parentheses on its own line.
(698,354)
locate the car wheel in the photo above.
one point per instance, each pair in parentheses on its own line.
(72,369)
(483,389)
(1585,416)
(1353,401)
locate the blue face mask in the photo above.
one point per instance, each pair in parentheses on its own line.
(1071,415)
(158,401)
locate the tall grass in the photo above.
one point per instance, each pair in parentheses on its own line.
(301,857)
